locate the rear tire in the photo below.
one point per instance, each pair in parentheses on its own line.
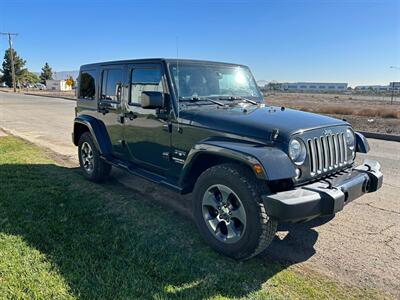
(229,212)
(94,168)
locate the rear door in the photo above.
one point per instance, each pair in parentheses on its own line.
(110,107)
(146,131)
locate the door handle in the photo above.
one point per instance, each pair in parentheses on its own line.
(130,115)
(103,110)
(104,107)
(167,127)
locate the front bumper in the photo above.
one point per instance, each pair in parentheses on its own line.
(324,197)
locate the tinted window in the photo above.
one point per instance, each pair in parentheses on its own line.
(142,79)
(111,85)
(87,87)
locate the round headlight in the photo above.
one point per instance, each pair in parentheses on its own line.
(297,151)
(350,140)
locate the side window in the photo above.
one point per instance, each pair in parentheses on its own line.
(111,84)
(144,80)
(87,86)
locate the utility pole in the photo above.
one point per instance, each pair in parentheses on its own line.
(11,57)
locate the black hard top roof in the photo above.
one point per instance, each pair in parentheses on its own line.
(157,60)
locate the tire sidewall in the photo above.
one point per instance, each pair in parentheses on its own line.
(248,196)
(86,137)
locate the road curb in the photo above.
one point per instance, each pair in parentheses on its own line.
(49,96)
(381,136)
(40,95)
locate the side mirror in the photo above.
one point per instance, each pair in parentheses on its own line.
(152,100)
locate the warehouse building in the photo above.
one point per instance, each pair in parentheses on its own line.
(393,86)
(314,87)
(372,88)
(58,85)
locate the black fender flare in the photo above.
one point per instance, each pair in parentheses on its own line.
(362,145)
(97,130)
(275,162)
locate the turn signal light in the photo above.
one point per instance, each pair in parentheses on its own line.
(257,169)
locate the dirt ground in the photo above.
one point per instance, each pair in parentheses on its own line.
(365,113)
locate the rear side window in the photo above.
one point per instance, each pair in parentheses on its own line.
(111,84)
(87,84)
(145,79)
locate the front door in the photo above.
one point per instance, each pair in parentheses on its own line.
(146,130)
(109,105)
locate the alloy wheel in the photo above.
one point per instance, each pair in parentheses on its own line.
(224,213)
(87,157)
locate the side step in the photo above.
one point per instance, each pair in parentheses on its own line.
(138,171)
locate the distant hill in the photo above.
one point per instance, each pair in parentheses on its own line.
(63,74)
(262,83)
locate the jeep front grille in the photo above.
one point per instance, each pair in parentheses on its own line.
(327,152)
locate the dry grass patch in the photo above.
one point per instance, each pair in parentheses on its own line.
(356,111)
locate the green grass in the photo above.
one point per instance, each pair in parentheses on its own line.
(63,237)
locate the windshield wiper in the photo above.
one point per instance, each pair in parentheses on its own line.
(232,98)
(195,99)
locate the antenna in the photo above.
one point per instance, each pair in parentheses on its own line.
(177,82)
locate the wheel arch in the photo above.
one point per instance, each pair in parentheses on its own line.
(202,162)
(79,129)
(97,129)
(274,163)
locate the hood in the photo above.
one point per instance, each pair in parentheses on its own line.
(259,122)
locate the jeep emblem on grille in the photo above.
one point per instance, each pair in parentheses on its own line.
(327,132)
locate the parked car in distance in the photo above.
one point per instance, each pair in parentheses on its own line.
(40,86)
(3,85)
(202,127)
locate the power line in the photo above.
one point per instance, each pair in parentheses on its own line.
(11,56)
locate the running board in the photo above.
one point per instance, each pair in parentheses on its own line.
(138,171)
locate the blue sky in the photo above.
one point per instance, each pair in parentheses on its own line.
(335,41)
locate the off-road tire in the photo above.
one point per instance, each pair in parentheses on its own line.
(260,229)
(101,169)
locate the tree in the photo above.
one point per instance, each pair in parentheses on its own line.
(19,64)
(28,77)
(47,73)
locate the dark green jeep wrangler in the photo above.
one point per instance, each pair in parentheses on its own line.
(202,127)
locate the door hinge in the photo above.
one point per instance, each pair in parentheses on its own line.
(121,119)
(167,155)
(167,127)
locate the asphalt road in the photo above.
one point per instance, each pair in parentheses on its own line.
(360,245)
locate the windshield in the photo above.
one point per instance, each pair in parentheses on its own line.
(194,80)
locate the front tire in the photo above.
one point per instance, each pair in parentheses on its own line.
(94,168)
(229,212)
